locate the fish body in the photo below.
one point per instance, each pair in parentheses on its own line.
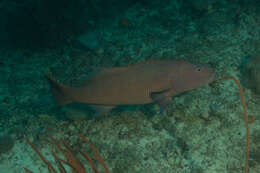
(142,83)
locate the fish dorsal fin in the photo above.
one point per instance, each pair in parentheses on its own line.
(145,62)
(101,73)
(107,71)
(111,70)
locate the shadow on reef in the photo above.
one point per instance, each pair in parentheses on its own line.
(81,111)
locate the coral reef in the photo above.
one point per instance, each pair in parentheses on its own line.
(201,131)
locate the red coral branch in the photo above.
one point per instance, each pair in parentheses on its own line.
(71,161)
(242,98)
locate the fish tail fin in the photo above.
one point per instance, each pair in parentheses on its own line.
(59,91)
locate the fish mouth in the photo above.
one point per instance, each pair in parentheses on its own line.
(212,76)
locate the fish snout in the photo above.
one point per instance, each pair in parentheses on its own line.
(212,75)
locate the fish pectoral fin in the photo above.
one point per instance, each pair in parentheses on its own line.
(101,109)
(162,98)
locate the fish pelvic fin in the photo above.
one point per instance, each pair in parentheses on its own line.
(59,91)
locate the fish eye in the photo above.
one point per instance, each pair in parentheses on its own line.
(199,68)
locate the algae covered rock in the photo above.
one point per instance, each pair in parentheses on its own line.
(6,144)
(251,75)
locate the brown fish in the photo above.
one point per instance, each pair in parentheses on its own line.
(142,83)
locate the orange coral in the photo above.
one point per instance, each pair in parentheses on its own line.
(72,161)
(242,98)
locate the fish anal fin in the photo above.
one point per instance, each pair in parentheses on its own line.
(101,110)
(162,98)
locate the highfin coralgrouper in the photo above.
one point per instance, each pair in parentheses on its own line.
(152,81)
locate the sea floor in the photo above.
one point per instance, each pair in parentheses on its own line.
(202,131)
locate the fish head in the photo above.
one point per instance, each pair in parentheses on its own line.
(193,76)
